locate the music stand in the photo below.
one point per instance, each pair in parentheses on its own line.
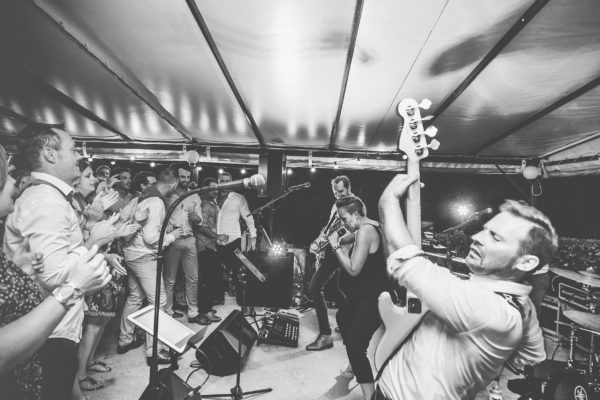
(236,392)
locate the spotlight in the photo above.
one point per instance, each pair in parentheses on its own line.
(335,166)
(221,171)
(152,164)
(278,249)
(289,171)
(313,169)
(404,156)
(90,159)
(198,168)
(132,158)
(243,171)
(113,162)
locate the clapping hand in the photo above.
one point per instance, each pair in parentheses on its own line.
(194,217)
(141,214)
(104,231)
(127,212)
(127,229)
(90,273)
(30,263)
(115,262)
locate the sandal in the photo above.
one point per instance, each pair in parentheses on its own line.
(88,383)
(99,366)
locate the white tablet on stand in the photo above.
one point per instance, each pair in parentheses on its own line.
(170,331)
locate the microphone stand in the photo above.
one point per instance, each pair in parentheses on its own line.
(156,389)
(258,212)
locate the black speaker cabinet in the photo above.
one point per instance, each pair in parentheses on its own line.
(219,352)
(277,291)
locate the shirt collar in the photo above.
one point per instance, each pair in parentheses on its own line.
(153,191)
(65,188)
(509,287)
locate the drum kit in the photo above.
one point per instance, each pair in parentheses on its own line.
(578,302)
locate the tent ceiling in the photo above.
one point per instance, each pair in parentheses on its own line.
(509,80)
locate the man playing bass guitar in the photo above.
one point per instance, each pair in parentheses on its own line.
(473,326)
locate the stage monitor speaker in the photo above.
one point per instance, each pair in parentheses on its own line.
(218,354)
(277,291)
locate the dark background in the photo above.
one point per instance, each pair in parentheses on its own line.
(571,203)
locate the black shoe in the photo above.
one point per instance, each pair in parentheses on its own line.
(177,314)
(200,319)
(180,307)
(213,318)
(161,358)
(322,342)
(137,342)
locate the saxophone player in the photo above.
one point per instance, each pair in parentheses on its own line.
(327,267)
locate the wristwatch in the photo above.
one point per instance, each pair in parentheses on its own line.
(67,294)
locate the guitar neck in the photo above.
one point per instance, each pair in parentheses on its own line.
(413,204)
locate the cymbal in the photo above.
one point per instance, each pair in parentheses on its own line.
(587,320)
(577,277)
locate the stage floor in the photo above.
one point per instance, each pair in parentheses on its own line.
(292,373)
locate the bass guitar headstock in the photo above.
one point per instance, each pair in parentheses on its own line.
(412,138)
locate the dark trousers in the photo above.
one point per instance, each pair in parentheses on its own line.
(329,269)
(59,367)
(210,280)
(358,319)
(230,260)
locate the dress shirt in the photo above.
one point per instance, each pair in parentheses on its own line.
(46,220)
(228,221)
(145,241)
(179,218)
(210,213)
(465,338)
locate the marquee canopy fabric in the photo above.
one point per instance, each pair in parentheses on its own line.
(509,80)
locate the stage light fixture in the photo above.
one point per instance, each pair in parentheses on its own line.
(313,169)
(335,165)
(113,162)
(152,164)
(289,171)
(132,158)
(221,171)
(243,171)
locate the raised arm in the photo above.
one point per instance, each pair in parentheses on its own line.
(395,231)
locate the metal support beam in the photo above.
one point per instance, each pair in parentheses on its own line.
(217,54)
(349,57)
(489,57)
(557,104)
(567,146)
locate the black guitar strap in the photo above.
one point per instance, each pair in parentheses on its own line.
(397,349)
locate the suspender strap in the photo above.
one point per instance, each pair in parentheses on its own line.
(397,349)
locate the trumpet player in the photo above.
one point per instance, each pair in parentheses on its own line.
(327,266)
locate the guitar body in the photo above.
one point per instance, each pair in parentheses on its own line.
(399,322)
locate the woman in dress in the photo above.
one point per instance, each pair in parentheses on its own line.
(101,305)
(26,320)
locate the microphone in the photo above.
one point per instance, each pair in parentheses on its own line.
(254,182)
(479,213)
(300,186)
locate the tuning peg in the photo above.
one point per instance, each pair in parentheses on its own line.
(425,104)
(434,145)
(431,131)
